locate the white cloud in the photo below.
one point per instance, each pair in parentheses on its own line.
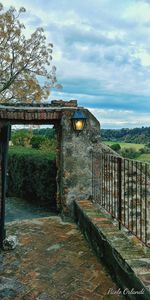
(143,55)
(100,47)
(138,11)
(111,118)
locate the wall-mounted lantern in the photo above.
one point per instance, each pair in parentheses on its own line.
(78,120)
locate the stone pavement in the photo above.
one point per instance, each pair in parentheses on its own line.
(52,261)
(122,252)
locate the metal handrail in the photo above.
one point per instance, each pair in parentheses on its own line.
(122,187)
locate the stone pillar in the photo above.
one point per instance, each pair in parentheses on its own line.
(76,159)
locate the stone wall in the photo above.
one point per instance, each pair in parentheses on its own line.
(76,159)
(74,164)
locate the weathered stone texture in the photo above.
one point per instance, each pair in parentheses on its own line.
(74,163)
(76,158)
(62,103)
(10,242)
(52,262)
(124,255)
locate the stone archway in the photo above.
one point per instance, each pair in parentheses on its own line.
(74,180)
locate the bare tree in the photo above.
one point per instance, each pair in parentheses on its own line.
(23,62)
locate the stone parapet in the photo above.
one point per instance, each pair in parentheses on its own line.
(125,256)
(71,103)
(57,103)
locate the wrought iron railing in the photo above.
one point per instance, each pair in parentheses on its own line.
(122,187)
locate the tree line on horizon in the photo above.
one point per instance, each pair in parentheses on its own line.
(43,139)
(134,135)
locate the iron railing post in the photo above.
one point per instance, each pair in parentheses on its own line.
(93,198)
(119,192)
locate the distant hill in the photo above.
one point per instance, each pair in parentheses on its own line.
(135,135)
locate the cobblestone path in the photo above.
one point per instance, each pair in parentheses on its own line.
(52,261)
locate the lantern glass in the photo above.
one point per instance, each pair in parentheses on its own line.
(78,125)
(78,120)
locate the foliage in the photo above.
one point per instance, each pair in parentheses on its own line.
(22,137)
(48,145)
(22,151)
(47,132)
(32,176)
(123,145)
(115,147)
(129,153)
(43,139)
(37,140)
(135,135)
(144,158)
(132,151)
(23,61)
(145,150)
(148,145)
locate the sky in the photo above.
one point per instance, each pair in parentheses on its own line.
(102,54)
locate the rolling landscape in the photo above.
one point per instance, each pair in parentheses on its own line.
(131,143)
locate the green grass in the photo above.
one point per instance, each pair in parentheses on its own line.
(126,145)
(33,152)
(144,157)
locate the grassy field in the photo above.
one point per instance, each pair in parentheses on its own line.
(142,157)
(126,145)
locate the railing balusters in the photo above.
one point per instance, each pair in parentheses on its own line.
(121,186)
(102,201)
(119,192)
(114,198)
(128,195)
(104,180)
(141,201)
(145,204)
(132,193)
(109,181)
(136,195)
(124,193)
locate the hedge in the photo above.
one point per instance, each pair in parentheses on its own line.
(32,176)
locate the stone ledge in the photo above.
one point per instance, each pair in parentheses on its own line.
(125,256)
(54,103)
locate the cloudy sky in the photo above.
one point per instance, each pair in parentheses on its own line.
(102,54)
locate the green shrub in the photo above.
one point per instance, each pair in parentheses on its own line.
(32,176)
(115,147)
(148,145)
(129,153)
(21,137)
(47,132)
(37,140)
(32,137)
(48,145)
(145,150)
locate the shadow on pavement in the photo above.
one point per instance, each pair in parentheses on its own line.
(20,209)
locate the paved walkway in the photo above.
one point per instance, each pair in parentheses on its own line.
(20,209)
(52,261)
